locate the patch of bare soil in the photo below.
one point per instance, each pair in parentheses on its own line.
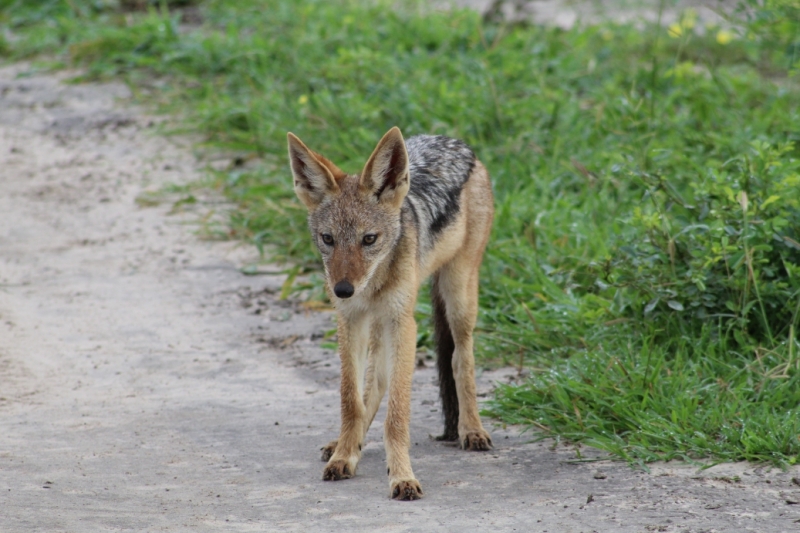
(147,384)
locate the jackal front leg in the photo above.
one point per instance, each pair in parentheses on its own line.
(401,332)
(353,339)
(374,384)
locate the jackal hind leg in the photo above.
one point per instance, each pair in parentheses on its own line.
(457,285)
(346,450)
(328,449)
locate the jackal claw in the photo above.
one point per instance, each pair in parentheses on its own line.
(336,471)
(478,441)
(407,490)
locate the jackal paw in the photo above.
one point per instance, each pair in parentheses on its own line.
(336,470)
(478,441)
(406,490)
(327,450)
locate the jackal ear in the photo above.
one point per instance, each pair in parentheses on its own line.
(314,176)
(386,174)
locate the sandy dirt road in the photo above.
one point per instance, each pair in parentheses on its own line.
(147,385)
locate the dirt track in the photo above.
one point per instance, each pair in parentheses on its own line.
(147,385)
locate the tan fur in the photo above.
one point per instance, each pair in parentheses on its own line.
(376,326)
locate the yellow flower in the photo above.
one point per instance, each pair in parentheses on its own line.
(724,37)
(689,19)
(607,35)
(303,100)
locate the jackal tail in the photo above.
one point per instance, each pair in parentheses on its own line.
(445,346)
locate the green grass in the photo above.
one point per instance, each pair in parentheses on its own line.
(644,262)
(692,398)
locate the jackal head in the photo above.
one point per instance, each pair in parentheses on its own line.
(354,219)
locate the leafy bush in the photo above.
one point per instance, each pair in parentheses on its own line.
(776,23)
(726,251)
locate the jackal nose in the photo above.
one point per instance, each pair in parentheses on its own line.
(344,289)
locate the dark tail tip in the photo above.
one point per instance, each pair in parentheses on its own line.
(444,362)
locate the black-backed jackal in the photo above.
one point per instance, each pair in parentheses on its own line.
(420,207)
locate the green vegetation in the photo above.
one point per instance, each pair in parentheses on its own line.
(645,260)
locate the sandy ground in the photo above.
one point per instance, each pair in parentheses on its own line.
(146,384)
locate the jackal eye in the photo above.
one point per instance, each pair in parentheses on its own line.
(369,238)
(327,238)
